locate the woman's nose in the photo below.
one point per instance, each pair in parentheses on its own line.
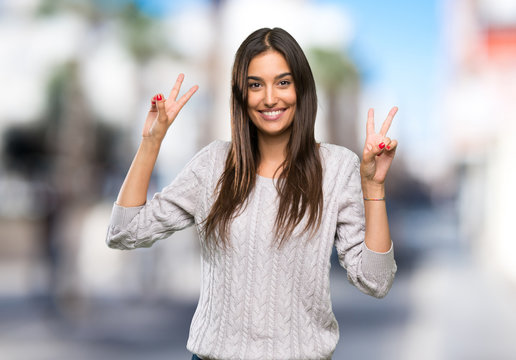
(270,97)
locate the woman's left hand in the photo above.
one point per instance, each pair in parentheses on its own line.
(379,150)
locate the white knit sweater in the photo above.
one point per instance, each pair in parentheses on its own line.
(258,301)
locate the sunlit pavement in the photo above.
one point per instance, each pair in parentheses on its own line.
(444,304)
(98,330)
(447,309)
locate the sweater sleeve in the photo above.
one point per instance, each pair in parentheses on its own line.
(172,209)
(371,272)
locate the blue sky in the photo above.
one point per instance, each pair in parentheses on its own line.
(397,47)
(401,37)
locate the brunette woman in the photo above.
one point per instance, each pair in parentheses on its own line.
(269,206)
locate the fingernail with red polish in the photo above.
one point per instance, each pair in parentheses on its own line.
(159,97)
(388,147)
(381,146)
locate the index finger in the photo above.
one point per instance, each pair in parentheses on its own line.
(388,121)
(177,86)
(182,101)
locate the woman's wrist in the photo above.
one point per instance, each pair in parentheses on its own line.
(373,190)
(150,144)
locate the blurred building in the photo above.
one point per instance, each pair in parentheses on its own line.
(481,112)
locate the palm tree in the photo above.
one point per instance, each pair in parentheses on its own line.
(339,79)
(73,134)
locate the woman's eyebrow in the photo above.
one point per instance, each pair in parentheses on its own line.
(283,75)
(257,78)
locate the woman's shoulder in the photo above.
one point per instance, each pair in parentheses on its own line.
(337,153)
(209,156)
(212,156)
(219,146)
(214,149)
(339,164)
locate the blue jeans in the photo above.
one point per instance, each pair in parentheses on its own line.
(195,357)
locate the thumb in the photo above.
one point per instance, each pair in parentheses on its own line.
(369,153)
(160,104)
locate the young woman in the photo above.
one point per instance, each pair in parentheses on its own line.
(269,206)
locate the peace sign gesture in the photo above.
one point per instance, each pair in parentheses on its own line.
(379,150)
(164,111)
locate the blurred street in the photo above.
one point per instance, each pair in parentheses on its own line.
(445,307)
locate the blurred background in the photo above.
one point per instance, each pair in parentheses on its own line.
(76,80)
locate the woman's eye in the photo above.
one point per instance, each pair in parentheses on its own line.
(254,85)
(284,83)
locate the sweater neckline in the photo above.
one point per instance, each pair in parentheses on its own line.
(264,180)
(271,181)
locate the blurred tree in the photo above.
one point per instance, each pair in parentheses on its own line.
(66,156)
(85,8)
(339,79)
(143,39)
(139,33)
(213,63)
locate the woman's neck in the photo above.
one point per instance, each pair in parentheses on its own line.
(273,152)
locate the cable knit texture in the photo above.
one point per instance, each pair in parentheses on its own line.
(258,301)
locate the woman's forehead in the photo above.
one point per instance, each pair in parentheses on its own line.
(269,63)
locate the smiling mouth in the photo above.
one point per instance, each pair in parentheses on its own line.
(272,114)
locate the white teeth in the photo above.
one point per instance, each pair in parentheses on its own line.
(272,113)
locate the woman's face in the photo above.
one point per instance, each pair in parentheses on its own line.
(271,99)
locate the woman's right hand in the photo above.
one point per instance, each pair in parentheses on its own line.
(164,111)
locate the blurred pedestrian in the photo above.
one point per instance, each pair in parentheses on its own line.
(269,206)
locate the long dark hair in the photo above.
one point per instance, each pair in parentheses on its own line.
(300,183)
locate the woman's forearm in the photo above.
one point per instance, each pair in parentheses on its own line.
(134,189)
(377,234)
